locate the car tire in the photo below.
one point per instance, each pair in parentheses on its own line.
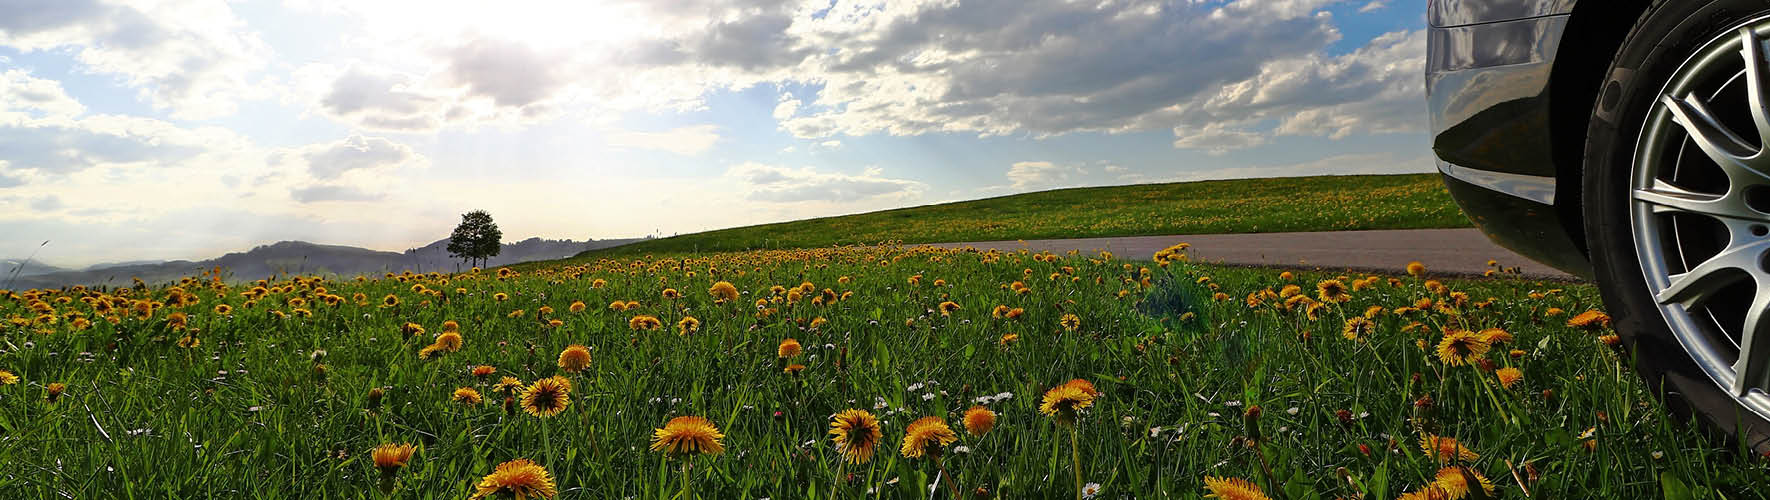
(1658,45)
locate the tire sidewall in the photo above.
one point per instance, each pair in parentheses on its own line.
(1660,42)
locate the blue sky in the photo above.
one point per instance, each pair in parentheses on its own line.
(185,128)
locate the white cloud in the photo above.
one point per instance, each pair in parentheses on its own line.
(21,92)
(691,140)
(1373,6)
(1034,175)
(769,183)
(193,58)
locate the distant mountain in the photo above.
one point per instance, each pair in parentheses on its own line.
(30,268)
(300,257)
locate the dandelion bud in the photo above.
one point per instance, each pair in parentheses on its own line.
(981,493)
(55,389)
(1251,420)
(509,405)
(374,400)
(1365,449)
(318,355)
(1345,416)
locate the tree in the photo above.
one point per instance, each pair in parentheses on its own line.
(477,238)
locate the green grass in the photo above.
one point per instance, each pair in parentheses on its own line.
(245,415)
(1325,203)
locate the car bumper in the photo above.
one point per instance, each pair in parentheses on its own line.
(1487,88)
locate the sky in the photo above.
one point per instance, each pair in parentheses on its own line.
(183,129)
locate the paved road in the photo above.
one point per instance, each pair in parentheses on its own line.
(1443,251)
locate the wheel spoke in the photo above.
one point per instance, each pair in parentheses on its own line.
(1666,197)
(1708,279)
(1752,370)
(1756,77)
(1720,144)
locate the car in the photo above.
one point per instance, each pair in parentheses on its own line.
(1628,142)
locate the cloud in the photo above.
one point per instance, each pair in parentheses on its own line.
(380,100)
(770,183)
(509,73)
(1216,140)
(691,140)
(21,92)
(1034,175)
(1373,6)
(333,192)
(47,203)
(334,159)
(193,58)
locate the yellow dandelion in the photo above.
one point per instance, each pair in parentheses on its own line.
(1416,269)
(789,348)
(687,325)
(1332,291)
(574,358)
(1445,448)
(688,435)
(390,458)
(467,396)
(1062,402)
(390,300)
(1461,347)
(979,420)
(483,371)
(1009,338)
(1356,328)
(547,397)
(519,479)
(1495,336)
(856,433)
(927,436)
(1455,481)
(1233,488)
(577,306)
(1508,376)
(1590,320)
(1070,322)
(7,378)
(723,292)
(644,322)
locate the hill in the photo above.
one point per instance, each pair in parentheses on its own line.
(1321,203)
(300,257)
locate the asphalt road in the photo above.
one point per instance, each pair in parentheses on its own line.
(1443,251)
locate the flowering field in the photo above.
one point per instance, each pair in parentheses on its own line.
(1322,203)
(882,372)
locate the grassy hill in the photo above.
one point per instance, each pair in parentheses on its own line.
(1323,203)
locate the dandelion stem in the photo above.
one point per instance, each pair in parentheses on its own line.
(1075,456)
(686,495)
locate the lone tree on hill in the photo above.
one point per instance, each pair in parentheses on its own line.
(476,239)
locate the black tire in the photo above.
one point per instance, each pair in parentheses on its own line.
(1665,36)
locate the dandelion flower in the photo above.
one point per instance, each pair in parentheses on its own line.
(1356,328)
(1445,448)
(1455,481)
(1070,322)
(948,308)
(483,371)
(688,325)
(1461,347)
(1233,488)
(547,397)
(1590,320)
(1495,336)
(793,369)
(723,292)
(1332,291)
(856,433)
(644,322)
(1416,269)
(979,420)
(467,396)
(508,385)
(688,435)
(1432,492)
(1064,401)
(574,358)
(390,458)
(390,300)
(449,341)
(927,436)
(1508,376)
(518,478)
(789,348)
(7,378)
(54,390)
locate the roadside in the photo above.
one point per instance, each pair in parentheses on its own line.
(1443,251)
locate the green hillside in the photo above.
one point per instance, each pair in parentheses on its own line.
(1323,203)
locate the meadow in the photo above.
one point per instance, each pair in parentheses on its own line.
(1321,203)
(1194,380)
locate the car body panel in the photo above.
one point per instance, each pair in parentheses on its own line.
(1444,13)
(1488,69)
